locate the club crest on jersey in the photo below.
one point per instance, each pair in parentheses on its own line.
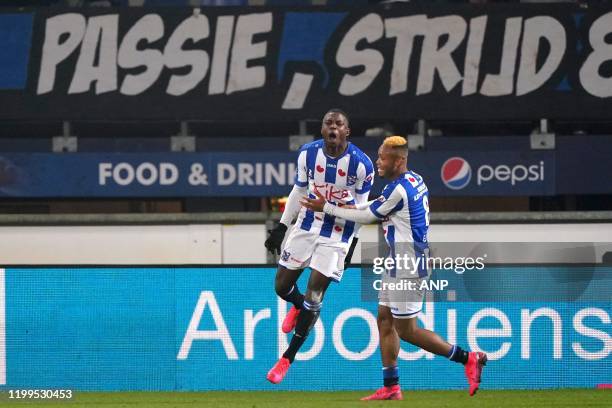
(285,256)
(351,180)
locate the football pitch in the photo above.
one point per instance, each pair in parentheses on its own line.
(285,399)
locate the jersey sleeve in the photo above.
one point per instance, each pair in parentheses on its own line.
(365,176)
(292,207)
(350,214)
(389,202)
(301,173)
(363,204)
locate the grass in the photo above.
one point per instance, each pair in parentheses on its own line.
(416,399)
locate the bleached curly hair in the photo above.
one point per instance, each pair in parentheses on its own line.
(395,141)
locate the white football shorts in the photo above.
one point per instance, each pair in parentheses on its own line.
(305,248)
(403,296)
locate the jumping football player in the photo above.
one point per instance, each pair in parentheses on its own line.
(342,173)
(403,208)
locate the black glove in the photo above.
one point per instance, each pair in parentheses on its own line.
(275,239)
(349,255)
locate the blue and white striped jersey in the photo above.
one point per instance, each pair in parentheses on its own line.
(403,208)
(346,179)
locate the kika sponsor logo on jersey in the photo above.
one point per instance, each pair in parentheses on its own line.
(331,193)
(456,173)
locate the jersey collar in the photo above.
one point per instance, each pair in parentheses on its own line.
(344,153)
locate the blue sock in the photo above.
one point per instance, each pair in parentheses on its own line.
(390,376)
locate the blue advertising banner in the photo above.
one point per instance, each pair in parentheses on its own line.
(257,174)
(178,328)
(15,41)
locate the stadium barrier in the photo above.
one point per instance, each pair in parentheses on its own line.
(237,238)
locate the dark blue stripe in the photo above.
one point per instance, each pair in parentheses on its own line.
(307,221)
(299,183)
(311,158)
(417,220)
(390,372)
(330,172)
(308,217)
(328,224)
(419,252)
(352,167)
(398,207)
(391,241)
(391,235)
(366,187)
(349,227)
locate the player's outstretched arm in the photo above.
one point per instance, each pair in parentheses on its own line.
(361,206)
(362,216)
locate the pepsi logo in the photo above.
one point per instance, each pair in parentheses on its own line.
(341,173)
(456,173)
(320,169)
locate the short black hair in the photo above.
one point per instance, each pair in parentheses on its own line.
(341,112)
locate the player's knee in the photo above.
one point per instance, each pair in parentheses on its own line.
(314,297)
(405,335)
(282,286)
(384,323)
(406,330)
